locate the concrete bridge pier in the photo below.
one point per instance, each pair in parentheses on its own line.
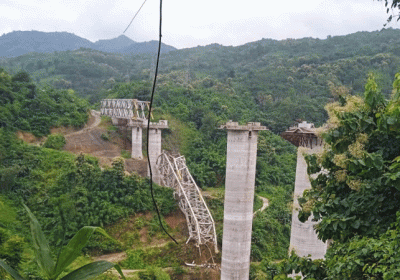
(239,195)
(303,237)
(114,121)
(137,139)
(155,147)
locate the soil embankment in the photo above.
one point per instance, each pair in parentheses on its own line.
(91,140)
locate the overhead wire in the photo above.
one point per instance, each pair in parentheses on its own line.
(148,127)
(134,17)
(149,116)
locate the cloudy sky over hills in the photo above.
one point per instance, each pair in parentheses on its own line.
(191,23)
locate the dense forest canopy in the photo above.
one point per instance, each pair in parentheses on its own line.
(28,108)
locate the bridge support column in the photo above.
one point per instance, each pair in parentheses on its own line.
(155,147)
(239,195)
(303,238)
(114,120)
(137,141)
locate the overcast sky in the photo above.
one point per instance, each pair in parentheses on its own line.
(188,23)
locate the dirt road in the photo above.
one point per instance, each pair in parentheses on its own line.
(265,205)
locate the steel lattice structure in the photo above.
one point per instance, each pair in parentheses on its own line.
(175,174)
(125,108)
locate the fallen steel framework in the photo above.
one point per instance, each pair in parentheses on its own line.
(175,174)
(173,171)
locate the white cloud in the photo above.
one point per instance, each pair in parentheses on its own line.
(190,23)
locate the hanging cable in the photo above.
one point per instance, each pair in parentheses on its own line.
(148,127)
(134,17)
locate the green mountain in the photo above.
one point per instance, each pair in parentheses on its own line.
(113,45)
(18,43)
(21,42)
(282,80)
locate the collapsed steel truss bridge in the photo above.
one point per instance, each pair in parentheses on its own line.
(175,174)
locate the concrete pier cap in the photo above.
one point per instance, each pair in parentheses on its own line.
(303,238)
(239,193)
(137,136)
(230,125)
(162,124)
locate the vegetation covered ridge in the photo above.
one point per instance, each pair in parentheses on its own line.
(272,76)
(67,192)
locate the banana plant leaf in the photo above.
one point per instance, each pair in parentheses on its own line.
(10,271)
(40,246)
(91,270)
(74,248)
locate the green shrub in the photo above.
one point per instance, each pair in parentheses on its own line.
(154,273)
(104,245)
(55,141)
(11,247)
(139,222)
(178,270)
(112,128)
(134,260)
(131,239)
(258,203)
(125,154)
(105,136)
(105,120)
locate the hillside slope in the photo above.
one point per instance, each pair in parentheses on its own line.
(104,144)
(272,76)
(18,43)
(113,45)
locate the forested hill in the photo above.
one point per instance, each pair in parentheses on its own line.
(21,42)
(273,82)
(281,80)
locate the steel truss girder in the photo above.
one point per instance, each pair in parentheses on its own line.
(175,174)
(125,108)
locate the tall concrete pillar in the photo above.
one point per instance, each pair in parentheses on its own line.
(137,141)
(303,238)
(155,147)
(239,195)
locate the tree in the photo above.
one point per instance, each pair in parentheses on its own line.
(65,257)
(356,188)
(358,193)
(22,77)
(55,141)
